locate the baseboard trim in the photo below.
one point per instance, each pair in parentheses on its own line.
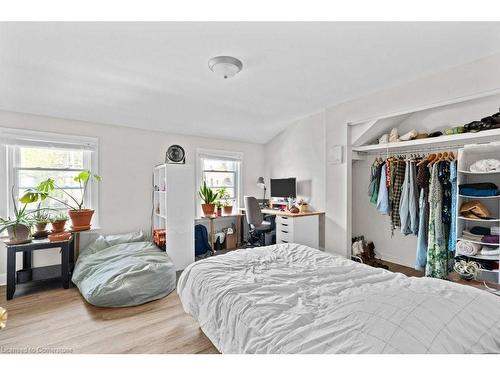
(3,279)
(395,260)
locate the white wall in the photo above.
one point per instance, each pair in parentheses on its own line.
(126,158)
(299,152)
(469,79)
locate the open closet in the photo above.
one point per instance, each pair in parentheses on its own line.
(447,158)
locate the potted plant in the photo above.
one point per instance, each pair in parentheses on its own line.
(18,228)
(41,219)
(209,197)
(58,222)
(218,205)
(80,216)
(225,200)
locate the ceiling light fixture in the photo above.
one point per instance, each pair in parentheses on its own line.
(225,66)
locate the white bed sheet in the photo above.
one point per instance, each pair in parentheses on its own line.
(290,298)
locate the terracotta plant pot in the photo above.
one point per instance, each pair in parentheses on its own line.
(63,236)
(41,230)
(208,209)
(58,226)
(18,234)
(228,210)
(80,219)
(41,227)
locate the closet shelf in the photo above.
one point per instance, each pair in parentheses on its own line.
(479,256)
(444,140)
(481,220)
(473,197)
(478,242)
(480,173)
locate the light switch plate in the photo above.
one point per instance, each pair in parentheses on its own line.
(335,154)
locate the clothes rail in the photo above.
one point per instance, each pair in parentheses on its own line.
(418,150)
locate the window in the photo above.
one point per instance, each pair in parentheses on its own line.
(221,169)
(31,157)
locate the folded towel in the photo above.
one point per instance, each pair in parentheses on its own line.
(490,251)
(493,239)
(472,237)
(495,230)
(468,248)
(483,231)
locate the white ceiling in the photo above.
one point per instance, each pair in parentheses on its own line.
(155,75)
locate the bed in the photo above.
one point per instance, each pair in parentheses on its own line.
(290,298)
(123,270)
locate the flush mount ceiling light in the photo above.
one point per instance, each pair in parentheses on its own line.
(225,66)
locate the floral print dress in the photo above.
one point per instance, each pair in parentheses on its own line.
(437,250)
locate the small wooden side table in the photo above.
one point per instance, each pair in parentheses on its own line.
(29,273)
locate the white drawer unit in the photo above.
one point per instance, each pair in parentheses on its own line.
(303,230)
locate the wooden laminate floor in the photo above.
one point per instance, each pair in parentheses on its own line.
(61,319)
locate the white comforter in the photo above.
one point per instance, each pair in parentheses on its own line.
(294,299)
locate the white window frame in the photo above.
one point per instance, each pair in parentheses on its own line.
(11,139)
(202,153)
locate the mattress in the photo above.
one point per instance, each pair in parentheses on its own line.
(290,298)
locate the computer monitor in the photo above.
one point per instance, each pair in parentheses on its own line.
(283,187)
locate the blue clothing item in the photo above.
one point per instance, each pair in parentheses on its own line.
(413,199)
(383,194)
(452,238)
(421,259)
(473,192)
(404,203)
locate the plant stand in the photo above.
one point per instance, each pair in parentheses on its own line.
(29,273)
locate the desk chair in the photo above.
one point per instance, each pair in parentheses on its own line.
(258,226)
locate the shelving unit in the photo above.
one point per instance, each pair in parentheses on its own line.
(173,210)
(450,141)
(466,157)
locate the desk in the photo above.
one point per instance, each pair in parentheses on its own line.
(302,228)
(29,273)
(211,226)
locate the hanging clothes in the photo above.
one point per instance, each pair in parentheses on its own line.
(452,240)
(383,195)
(404,206)
(399,173)
(437,249)
(444,178)
(378,172)
(423,177)
(408,208)
(373,178)
(413,199)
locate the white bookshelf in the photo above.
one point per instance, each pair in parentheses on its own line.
(173,210)
(467,156)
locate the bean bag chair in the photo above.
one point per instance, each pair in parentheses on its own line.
(123,270)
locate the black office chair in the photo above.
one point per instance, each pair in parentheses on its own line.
(258,226)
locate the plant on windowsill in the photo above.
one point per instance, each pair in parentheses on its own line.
(80,216)
(41,218)
(58,222)
(209,197)
(218,205)
(225,201)
(18,228)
